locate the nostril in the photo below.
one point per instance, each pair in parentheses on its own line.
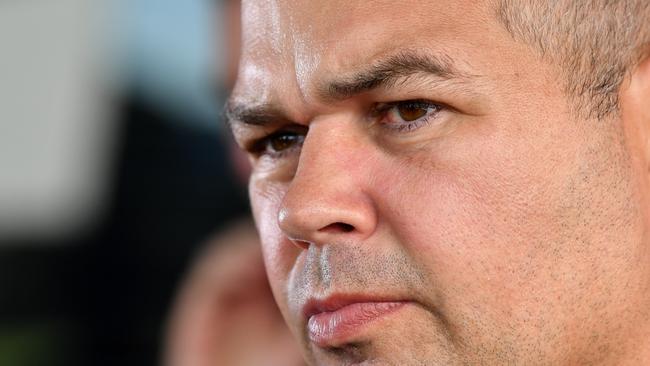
(346,227)
(339,226)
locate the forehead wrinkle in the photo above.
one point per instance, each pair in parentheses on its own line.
(291,61)
(306,58)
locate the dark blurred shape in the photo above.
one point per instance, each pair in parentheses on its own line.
(102,300)
(174,189)
(98,292)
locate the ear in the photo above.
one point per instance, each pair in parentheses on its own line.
(634,99)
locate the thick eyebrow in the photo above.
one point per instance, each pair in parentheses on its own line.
(257,115)
(385,72)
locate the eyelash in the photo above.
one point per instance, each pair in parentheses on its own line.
(379,112)
(261,146)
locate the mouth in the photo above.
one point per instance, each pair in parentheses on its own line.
(339,318)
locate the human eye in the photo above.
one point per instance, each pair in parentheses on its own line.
(278,144)
(406,116)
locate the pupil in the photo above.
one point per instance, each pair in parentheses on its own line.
(411,112)
(282,142)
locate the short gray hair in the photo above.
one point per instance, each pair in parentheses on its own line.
(595,43)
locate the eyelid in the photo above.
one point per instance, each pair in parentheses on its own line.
(382,107)
(381,110)
(258,146)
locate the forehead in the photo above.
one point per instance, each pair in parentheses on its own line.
(290,46)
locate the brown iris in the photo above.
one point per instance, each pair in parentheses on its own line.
(411,111)
(283,141)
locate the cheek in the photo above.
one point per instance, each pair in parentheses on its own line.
(516,228)
(279,254)
(480,213)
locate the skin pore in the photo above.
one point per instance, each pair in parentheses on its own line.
(418,152)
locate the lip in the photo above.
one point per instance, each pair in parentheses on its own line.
(336,319)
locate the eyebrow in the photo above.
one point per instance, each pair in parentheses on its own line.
(381,73)
(257,115)
(386,72)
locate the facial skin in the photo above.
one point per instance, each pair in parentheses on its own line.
(513,231)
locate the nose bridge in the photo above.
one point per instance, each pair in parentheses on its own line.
(326,200)
(329,153)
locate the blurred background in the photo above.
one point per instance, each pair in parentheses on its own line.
(115,168)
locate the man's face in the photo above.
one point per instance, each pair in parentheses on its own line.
(424,194)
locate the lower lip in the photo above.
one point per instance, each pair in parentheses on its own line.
(332,328)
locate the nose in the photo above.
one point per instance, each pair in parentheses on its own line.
(327,200)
